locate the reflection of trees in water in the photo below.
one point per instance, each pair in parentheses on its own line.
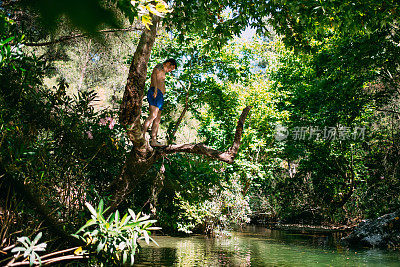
(204,251)
(156,256)
(258,247)
(190,253)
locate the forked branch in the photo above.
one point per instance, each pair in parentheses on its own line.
(201,149)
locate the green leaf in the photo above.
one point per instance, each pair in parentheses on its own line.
(132,259)
(18,249)
(116,218)
(100,207)
(153,228)
(39,235)
(24,240)
(125,219)
(7,40)
(124,257)
(146,217)
(32,259)
(27,252)
(132,213)
(88,223)
(100,217)
(40,260)
(146,20)
(146,237)
(110,218)
(91,209)
(154,241)
(147,223)
(101,245)
(138,215)
(130,225)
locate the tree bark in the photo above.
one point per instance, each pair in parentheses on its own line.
(85,63)
(130,109)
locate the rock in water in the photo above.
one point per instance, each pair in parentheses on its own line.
(381,232)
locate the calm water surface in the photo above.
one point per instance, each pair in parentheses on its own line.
(258,246)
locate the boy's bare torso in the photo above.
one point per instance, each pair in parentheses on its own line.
(158,77)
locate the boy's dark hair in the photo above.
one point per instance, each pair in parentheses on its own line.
(172,61)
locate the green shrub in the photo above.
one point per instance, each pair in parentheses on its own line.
(115,239)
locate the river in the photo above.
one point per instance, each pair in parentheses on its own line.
(259,246)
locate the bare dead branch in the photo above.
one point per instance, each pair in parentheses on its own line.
(239,131)
(390,111)
(201,149)
(80,35)
(51,261)
(58,252)
(65,258)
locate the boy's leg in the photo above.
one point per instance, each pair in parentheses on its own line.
(152,116)
(155,126)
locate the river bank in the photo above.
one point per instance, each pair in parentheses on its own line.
(303,228)
(382,232)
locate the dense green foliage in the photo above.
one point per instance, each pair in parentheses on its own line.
(320,146)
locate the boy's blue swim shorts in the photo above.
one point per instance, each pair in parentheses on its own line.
(158,101)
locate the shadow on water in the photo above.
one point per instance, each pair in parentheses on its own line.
(259,246)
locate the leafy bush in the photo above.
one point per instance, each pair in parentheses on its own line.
(115,239)
(226,209)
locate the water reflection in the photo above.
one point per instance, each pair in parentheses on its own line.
(259,246)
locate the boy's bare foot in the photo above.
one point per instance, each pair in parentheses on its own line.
(155,143)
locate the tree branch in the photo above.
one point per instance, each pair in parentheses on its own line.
(79,35)
(201,149)
(390,111)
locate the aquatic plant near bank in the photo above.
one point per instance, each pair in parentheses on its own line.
(29,249)
(114,240)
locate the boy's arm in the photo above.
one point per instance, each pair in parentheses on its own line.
(154,81)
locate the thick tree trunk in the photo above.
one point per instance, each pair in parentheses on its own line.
(85,63)
(130,110)
(136,166)
(142,156)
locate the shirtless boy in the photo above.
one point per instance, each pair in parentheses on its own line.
(155,97)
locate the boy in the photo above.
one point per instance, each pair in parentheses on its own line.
(155,97)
